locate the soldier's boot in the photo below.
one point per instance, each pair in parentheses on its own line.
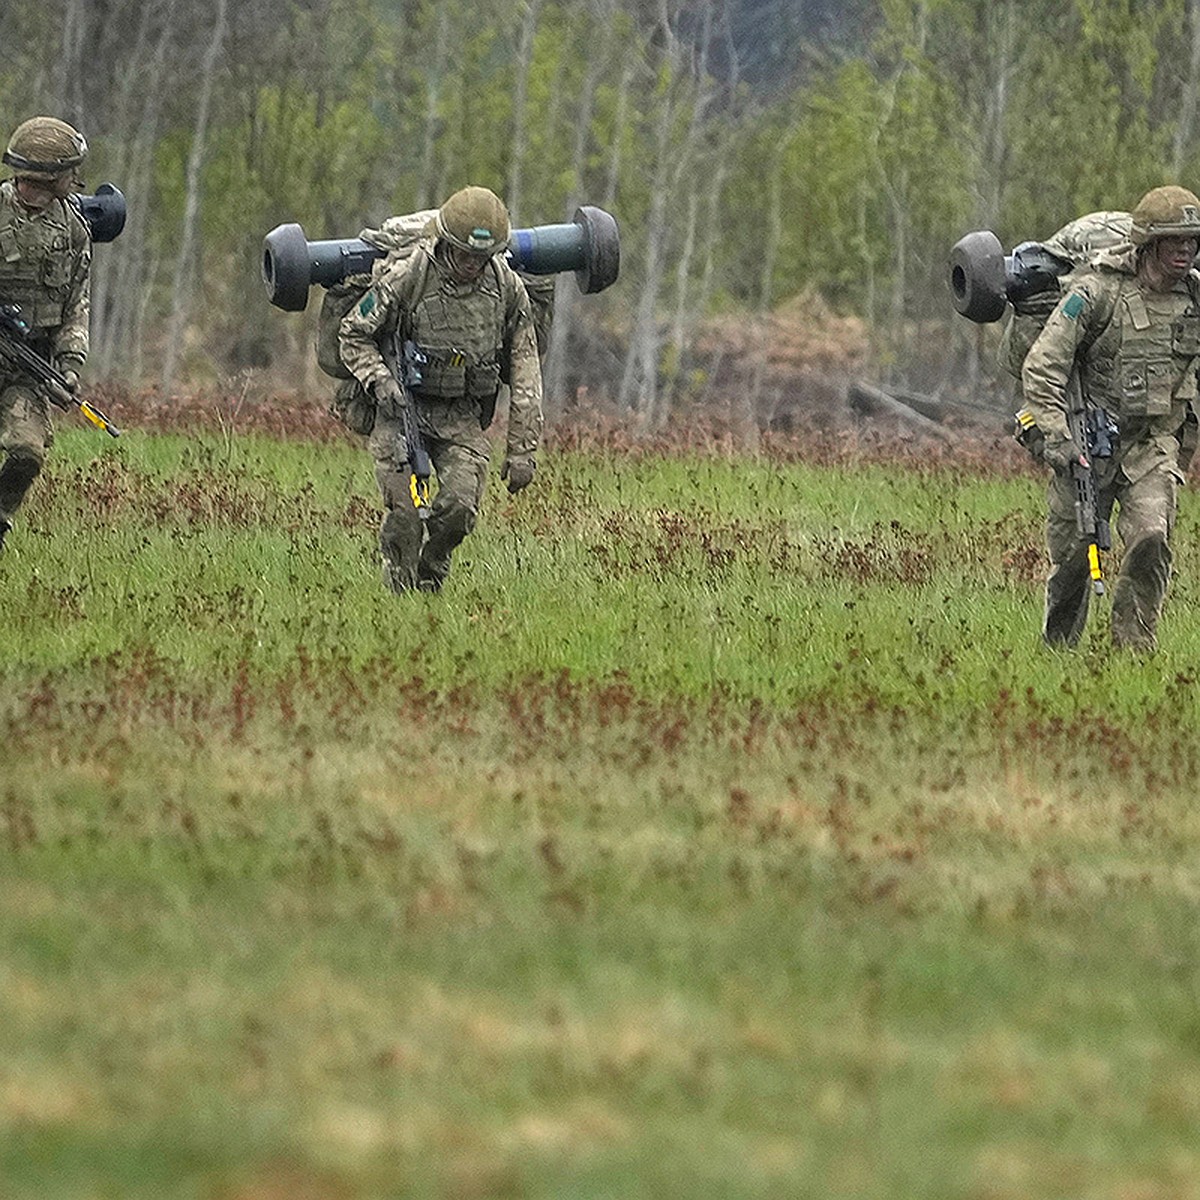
(1139,592)
(1068,591)
(400,546)
(5,526)
(449,522)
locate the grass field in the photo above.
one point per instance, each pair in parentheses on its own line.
(721,830)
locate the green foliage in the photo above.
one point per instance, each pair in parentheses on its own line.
(1075,96)
(856,178)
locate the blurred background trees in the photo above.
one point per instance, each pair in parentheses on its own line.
(812,154)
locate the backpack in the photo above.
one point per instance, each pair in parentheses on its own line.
(1052,263)
(397,238)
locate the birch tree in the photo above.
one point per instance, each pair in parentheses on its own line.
(181,289)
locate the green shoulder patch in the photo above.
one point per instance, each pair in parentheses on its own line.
(366,306)
(1073,305)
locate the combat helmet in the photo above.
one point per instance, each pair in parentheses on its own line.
(474,219)
(1165,212)
(44,148)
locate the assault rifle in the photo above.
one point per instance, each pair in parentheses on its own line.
(14,346)
(1093,430)
(416,455)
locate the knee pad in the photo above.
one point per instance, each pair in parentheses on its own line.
(1150,546)
(1150,553)
(458,518)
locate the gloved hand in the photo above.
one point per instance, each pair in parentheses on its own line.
(1062,453)
(518,470)
(68,367)
(389,397)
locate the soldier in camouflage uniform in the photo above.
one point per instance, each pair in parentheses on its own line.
(469,316)
(1129,323)
(45,261)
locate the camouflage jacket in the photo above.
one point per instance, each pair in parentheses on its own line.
(1136,350)
(469,336)
(45,268)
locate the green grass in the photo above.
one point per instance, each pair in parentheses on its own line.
(720,830)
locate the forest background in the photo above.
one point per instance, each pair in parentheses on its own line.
(807,157)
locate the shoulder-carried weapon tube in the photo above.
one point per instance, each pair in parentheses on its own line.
(984,280)
(589,246)
(14,346)
(103,211)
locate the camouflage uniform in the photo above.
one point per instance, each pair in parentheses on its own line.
(465,332)
(1136,350)
(45,261)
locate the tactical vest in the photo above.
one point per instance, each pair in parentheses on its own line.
(460,332)
(39,254)
(1144,362)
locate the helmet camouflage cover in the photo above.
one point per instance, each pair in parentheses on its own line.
(1165,212)
(44,148)
(474,219)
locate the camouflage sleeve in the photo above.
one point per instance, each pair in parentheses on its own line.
(71,340)
(376,313)
(525,403)
(1051,359)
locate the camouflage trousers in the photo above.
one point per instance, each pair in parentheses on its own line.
(416,552)
(1145,519)
(25,436)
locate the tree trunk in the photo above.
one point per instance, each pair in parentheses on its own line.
(109,272)
(1186,122)
(433,95)
(68,86)
(620,116)
(566,294)
(182,286)
(639,383)
(520,97)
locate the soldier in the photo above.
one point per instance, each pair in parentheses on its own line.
(468,316)
(45,260)
(1129,323)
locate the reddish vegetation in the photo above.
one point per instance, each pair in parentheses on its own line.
(329,698)
(836,441)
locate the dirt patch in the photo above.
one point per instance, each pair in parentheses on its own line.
(792,362)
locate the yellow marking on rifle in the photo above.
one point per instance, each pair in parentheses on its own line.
(1094,568)
(420,491)
(97,419)
(1025,418)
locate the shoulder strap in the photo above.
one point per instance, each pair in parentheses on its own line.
(508,293)
(415,280)
(1193,286)
(1107,309)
